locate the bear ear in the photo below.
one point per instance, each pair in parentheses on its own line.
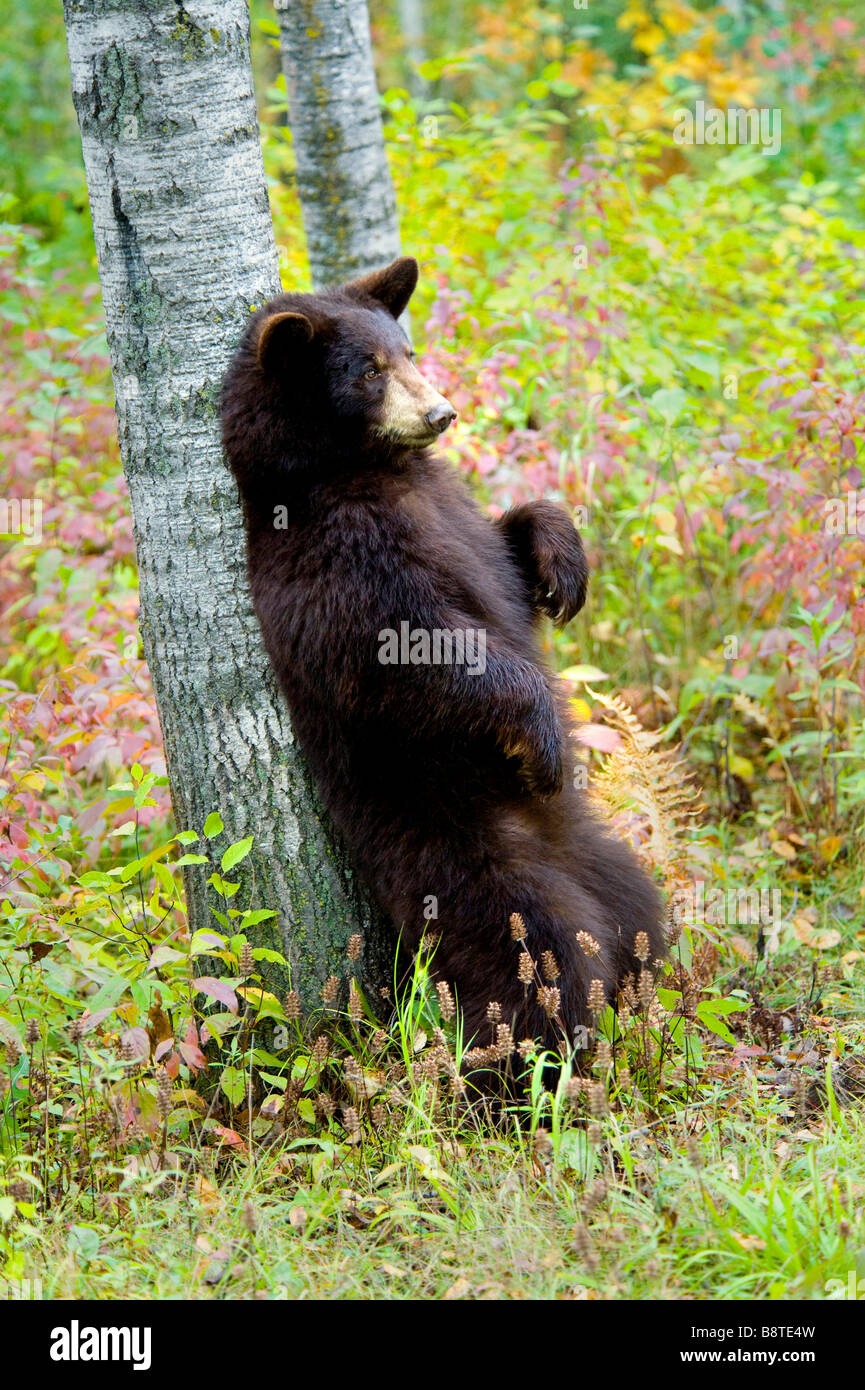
(392,287)
(279,334)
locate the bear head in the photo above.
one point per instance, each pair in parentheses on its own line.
(333,373)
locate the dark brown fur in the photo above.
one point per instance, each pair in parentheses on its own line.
(446,784)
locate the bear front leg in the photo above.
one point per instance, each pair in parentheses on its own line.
(512,700)
(534,739)
(548,550)
(509,698)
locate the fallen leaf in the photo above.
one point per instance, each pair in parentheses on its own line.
(785,849)
(817,939)
(457,1290)
(365,1085)
(207,1194)
(742,947)
(748,1242)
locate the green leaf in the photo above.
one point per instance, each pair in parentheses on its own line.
(127,828)
(222,886)
(251,919)
(233,855)
(233,1084)
(280,1082)
(264,953)
(204,941)
(93,879)
(669,998)
(711,1021)
(213,826)
(723,1006)
(109,994)
(669,403)
(84,1242)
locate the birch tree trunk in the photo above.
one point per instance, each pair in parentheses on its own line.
(346,192)
(411,22)
(185,247)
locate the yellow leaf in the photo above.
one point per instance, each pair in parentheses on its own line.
(650,40)
(206,1193)
(817,940)
(386,1173)
(583,673)
(366,1085)
(670,543)
(257,996)
(422,1155)
(32,781)
(742,767)
(785,849)
(582,711)
(298,1218)
(666,520)
(748,1242)
(457,1290)
(830,846)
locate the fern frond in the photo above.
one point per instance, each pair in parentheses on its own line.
(638,776)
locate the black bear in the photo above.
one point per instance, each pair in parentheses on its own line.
(401,621)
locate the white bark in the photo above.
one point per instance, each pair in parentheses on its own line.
(346,192)
(411,22)
(185,246)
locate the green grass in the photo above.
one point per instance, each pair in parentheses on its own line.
(722,1185)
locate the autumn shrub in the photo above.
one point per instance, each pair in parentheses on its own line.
(664,338)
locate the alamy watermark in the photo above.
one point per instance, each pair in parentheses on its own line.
(853,1290)
(77,1343)
(745,907)
(738,125)
(21,1290)
(438,646)
(21,517)
(841,515)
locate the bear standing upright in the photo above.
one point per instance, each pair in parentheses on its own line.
(401,622)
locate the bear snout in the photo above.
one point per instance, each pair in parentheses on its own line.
(441,415)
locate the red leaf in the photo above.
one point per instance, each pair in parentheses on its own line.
(217,989)
(137,1039)
(192,1055)
(89,1021)
(228,1136)
(598,736)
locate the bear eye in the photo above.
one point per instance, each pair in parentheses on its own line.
(371,373)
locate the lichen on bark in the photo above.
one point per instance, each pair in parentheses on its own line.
(185,248)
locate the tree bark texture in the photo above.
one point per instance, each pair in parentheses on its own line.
(346,191)
(185,248)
